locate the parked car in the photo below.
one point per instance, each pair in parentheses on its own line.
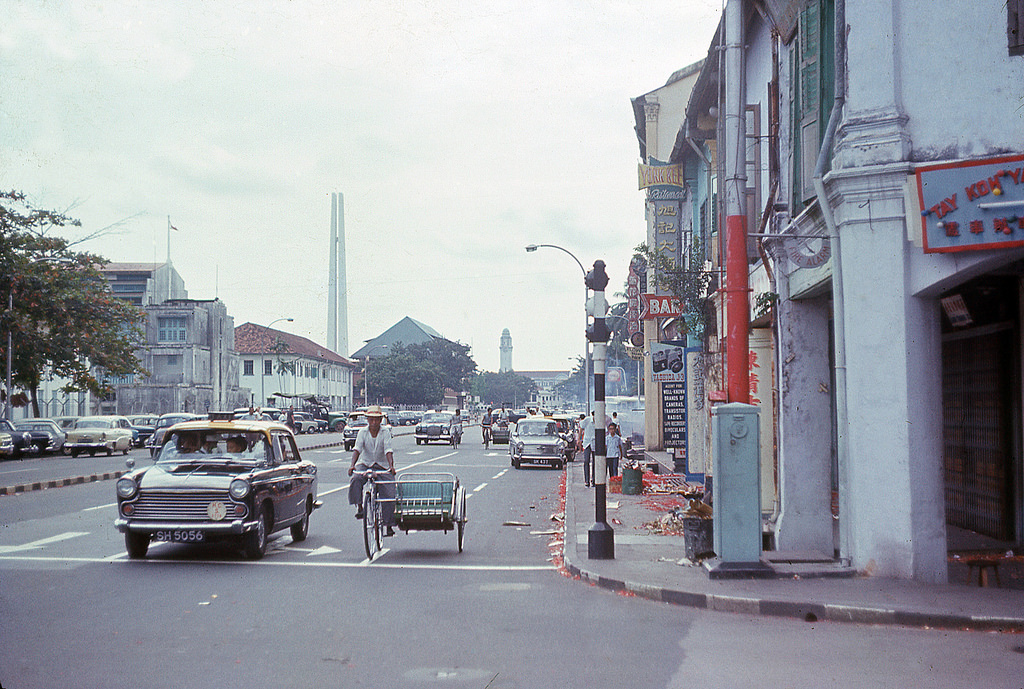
(356,420)
(163,423)
(218,478)
(435,426)
(22,440)
(94,434)
(145,425)
(536,440)
(6,445)
(46,435)
(65,422)
(305,423)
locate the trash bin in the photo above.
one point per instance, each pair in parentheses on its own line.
(699,537)
(632,481)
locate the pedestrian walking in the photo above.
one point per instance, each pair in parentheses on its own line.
(589,435)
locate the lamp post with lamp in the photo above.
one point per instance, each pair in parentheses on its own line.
(586,344)
(263,373)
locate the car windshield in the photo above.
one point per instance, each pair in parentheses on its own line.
(436,418)
(207,445)
(94,423)
(359,421)
(536,428)
(35,426)
(171,420)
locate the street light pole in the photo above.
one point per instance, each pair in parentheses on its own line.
(263,367)
(366,371)
(586,343)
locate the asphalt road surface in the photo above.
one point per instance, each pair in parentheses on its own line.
(75,612)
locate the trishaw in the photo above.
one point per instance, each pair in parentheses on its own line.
(423,502)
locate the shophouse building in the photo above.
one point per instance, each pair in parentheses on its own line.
(888,194)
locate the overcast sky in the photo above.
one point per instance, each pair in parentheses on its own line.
(458,132)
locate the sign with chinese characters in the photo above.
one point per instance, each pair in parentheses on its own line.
(634,284)
(972,205)
(667,230)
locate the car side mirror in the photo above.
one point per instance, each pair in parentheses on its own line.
(130,463)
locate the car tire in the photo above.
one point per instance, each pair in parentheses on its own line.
(255,542)
(300,529)
(109,452)
(137,545)
(74,453)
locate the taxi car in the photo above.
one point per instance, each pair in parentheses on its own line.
(218,479)
(536,440)
(436,426)
(94,434)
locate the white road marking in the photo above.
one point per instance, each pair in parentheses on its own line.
(500,474)
(480,487)
(100,507)
(42,542)
(274,563)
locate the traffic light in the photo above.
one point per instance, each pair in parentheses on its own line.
(597,307)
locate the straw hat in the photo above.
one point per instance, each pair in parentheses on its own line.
(374,410)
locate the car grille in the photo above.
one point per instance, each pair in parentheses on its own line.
(178,506)
(540,450)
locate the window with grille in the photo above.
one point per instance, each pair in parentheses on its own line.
(247,367)
(172,328)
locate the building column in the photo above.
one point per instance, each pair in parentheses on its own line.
(805,422)
(892,516)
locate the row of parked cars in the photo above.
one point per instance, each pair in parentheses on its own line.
(71,435)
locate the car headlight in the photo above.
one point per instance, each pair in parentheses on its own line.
(126,488)
(239,488)
(419,429)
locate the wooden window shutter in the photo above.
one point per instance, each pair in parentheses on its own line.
(1015,26)
(809,97)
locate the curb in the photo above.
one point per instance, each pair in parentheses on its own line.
(806,611)
(59,483)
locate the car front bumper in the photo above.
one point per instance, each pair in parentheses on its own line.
(236,527)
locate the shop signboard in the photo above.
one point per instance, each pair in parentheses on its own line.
(972,205)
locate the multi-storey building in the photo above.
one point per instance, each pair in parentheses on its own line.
(879,184)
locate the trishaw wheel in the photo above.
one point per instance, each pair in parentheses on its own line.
(459,529)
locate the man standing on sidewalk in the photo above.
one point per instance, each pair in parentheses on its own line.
(613,449)
(588,450)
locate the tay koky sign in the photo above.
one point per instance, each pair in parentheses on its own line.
(972,205)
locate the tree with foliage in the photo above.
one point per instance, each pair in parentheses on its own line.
(690,282)
(62,318)
(451,358)
(507,387)
(406,377)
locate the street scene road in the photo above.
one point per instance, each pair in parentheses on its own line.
(76,612)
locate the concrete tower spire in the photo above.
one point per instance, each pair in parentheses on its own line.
(506,351)
(337,281)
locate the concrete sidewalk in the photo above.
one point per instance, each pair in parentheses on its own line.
(648,565)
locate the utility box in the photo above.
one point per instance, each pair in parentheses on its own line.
(737,492)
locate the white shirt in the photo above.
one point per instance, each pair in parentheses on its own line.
(588,432)
(373,451)
(613,446)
